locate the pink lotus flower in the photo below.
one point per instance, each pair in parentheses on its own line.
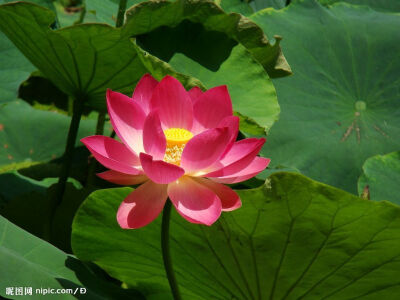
(180,145)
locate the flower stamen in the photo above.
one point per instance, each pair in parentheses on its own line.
(177,138)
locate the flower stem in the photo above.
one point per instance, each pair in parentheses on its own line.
(165,251)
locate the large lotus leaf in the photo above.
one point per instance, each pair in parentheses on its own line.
(211,56)
(28,135)
(151,15)
(20,185)
(237,6)
(261,4)
(381,177)
(382,5)
(51,169)
(248,7)
(14,184)
(27,261)
(14,68)
(105,10)
(82,60)
(28,203)
(45,3)
(65,16)
(342,105)
(294,238)
(252,92)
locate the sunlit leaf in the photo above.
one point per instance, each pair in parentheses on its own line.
(248,7)
(82,60)
(381,177)
(261,4)
(237,6)
(341,105)
(252,92)
(29,136)
(383,5)
(105,11)
(294,238)
(206,16)
(202,41)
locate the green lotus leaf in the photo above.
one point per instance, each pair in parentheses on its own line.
(382,5)
(252,92)
(81,60)
(27,261)
(381,177)
(14,68)
(248,7)
(105,10)
(31,208)
(208,55)
(342,105)
(29,136)
(21,185)
(151,15)
(236,6)
(45,3)
(261,4)
(293,238)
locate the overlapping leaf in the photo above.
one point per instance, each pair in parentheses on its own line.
(200,41)
(261,4)
(20,185)
(293,238)
(237,6)
(381,177)
(81,60)
(111,60)
(148,16)
(341,105)
(28,135)
(382,5)
(248,7)
(27,261)
(14,68)
(252,92)
(105,10)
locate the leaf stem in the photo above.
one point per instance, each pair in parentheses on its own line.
(77,107)
(70,105)
(69,149)
(121,13)
(81,15)
(165,251)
